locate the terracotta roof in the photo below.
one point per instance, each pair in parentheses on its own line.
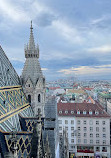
(54,88)
(76,91)
(88,89)
(70,109)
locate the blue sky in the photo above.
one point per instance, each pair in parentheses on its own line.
(74,36)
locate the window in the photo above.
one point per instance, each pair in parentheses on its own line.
(84,112)
(104,141)
(97,141)
(66,128)
(85,134)
(66,121)
(79,128)
(78,112)
(60,134)
(91,141)
(91,135)
(72,121)
(97,122)
(72,128)
(104,149)
(103,122)
(96,112)
(60,121)
(71,146)
(97,135)
(72,140)
(97,129)
(79,140)
(79,134)
(66,112)
(60,128)
(85,122)
(90,112)
(39,98)
(85,128)
(29,98)
(72,134)
(78,122)
(72,112)
(29,85)
(104,135)
(97,148)
(104,129)
(60,112)
(85,141)
(91,122)
(91,129)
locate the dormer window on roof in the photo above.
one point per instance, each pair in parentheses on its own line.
(90,112)
(78,111)
(72,112)
(60,112)
(84,112)
(96,112)
(66,112)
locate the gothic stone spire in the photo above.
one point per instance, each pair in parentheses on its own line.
(31,51)
(31,39)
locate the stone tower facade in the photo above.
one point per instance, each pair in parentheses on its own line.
(32,79)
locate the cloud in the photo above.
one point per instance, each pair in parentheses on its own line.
(98,20)
(87,70)
(44,19)
(71,34)
(9,10)
(101,49)
(44,69)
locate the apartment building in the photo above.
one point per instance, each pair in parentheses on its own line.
(88,129)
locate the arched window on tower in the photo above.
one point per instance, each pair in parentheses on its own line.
(29,98)
(39,98)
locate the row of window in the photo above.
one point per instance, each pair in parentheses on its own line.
(90,112)
(91,141)
(72,128)
(85,129)
(84,122)
(91,135)
(91,122)
(104,149)
(91,128)
(66,121)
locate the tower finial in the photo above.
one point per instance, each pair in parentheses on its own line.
(31,25)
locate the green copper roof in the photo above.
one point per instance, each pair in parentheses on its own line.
(105,95)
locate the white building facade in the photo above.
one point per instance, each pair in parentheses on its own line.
(88,129)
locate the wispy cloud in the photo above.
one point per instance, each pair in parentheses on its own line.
(9,10)
(86,70)
(71,34)
(98,20)
(100,49)
(44,69)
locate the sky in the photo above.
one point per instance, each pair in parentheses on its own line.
(74,36)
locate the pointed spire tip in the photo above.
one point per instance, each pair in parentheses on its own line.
(31,25)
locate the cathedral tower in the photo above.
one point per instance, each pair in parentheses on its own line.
(32,79)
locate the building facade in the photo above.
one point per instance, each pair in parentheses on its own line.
(88,129)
